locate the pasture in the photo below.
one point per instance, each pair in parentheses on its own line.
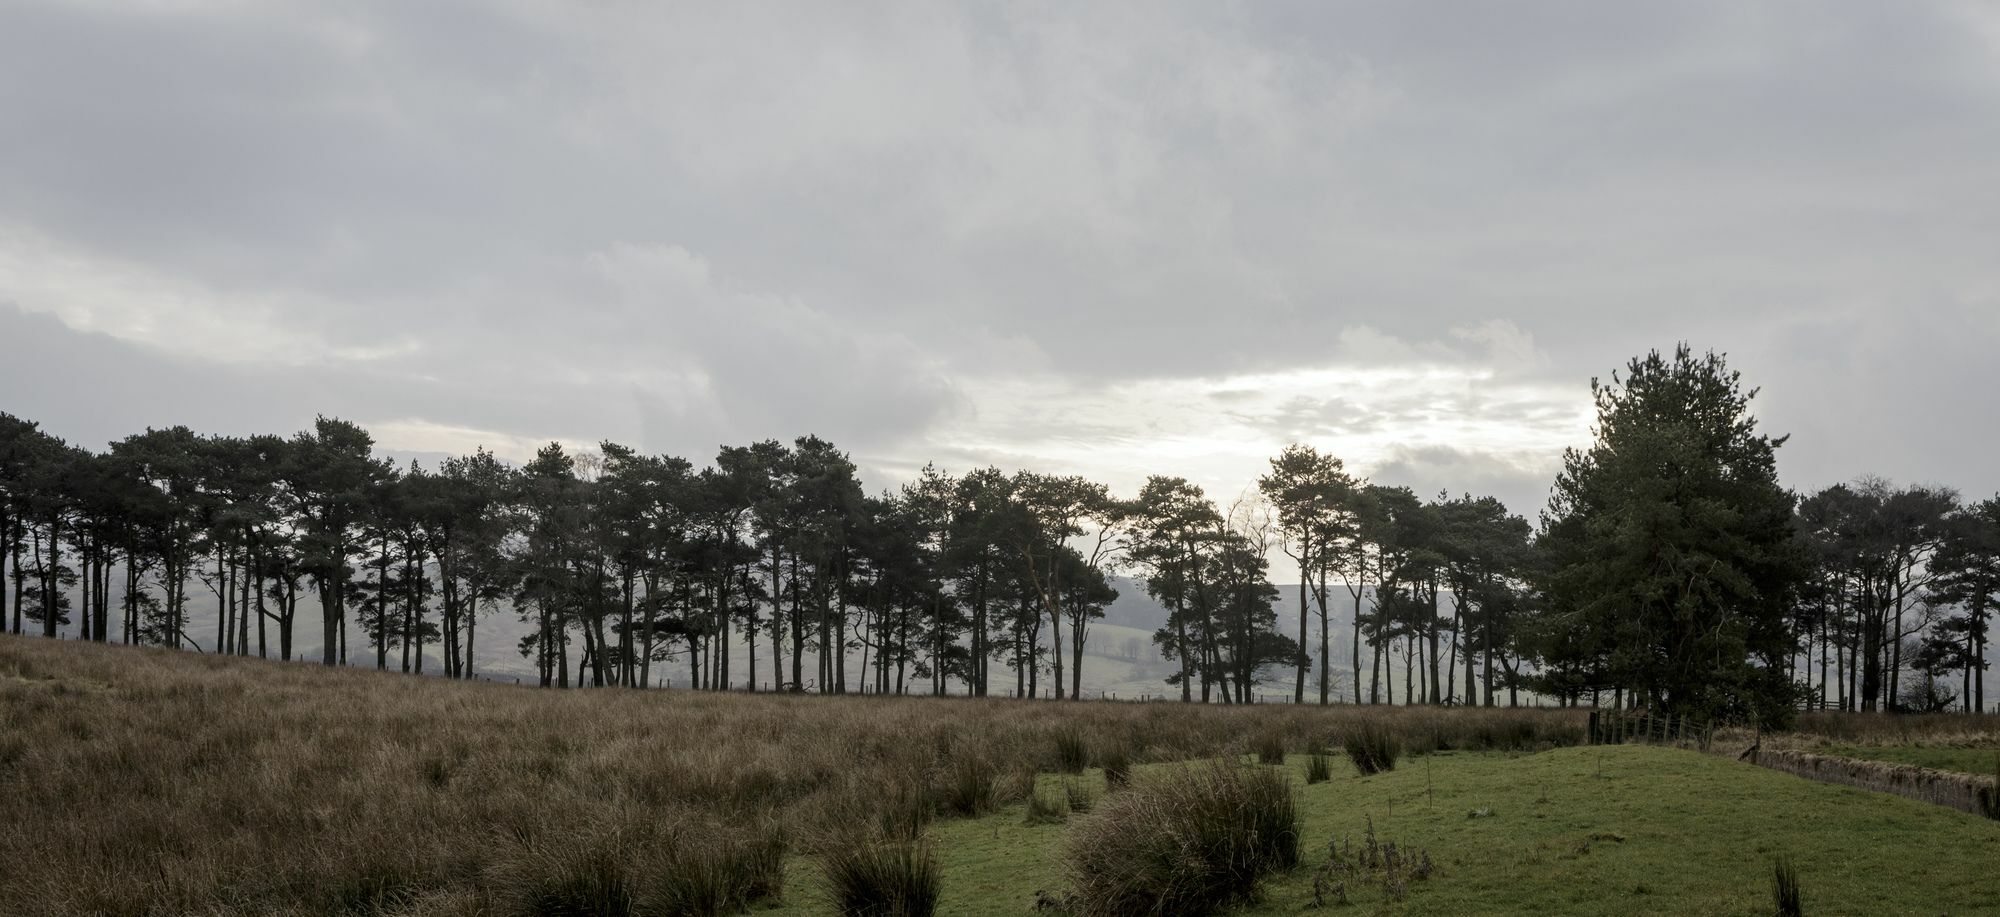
(140,781)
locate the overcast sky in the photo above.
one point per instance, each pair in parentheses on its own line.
(1092,238)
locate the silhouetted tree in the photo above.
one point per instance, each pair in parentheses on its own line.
(1673,542)
(1314,497)
(1967,575)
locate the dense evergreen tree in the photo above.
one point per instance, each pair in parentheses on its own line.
(1967,578)
(1672,543)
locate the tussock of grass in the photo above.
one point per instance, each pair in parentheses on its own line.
(718,871)
(1372,748)
(883,877)
(1072,752)
(967,785)
(1077,797)
(1116,761)
(548,878)
(1185,841)
(642,870)
(1046,809)
(1271,748)
(1319,767)
(1785,889)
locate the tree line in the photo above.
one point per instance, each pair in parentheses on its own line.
(1670,567)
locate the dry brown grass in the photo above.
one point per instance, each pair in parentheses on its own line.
(1821,730)
(1184,841)
(1979,730)
(136,781)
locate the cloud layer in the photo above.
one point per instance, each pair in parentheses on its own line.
(1110,238)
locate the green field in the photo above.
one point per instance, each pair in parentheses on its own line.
(1605,830)
(1965,760)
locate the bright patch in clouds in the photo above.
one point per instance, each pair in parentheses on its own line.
(412,435)
(161,309)
(1470,405)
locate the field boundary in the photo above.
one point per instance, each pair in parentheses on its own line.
(1969,793)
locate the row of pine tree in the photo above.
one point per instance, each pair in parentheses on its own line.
(1669,569)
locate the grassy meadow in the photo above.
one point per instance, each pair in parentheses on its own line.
(146,782)
(1947,742)
(1627,829)
(1962,759)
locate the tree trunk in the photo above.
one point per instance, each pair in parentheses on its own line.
(50,593)
(1305,576)
(651,581)
(798,630)
(777,615)
(329,609)
(1079,628)
(7,551)
(1181,647)
(18,580)
(1325,641)
(1375,674)
(225,599)
(1431,626)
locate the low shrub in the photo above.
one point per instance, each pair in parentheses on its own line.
(1187,840)
(882,877)
(1372,748)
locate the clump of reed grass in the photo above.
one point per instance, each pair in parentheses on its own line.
(1116,760)
(1785,888)
(1077,797)
(1372,748)
(1072,752)
(714,872)
(966,786)
(1045,809)
(1189,840)
(882,877)
(1270,746)
(571,878)
(1319,766)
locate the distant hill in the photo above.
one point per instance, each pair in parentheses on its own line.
(1122,659)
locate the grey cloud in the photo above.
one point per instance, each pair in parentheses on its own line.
(894,206)
(1431,470)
